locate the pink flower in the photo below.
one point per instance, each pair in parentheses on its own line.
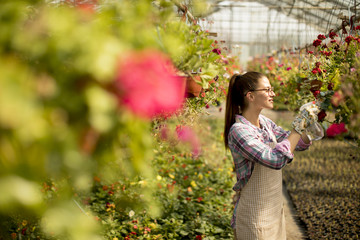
(185,134)
(337,98)
(164,132)
(357,27)
(288,69)
(336,129)
(147,85)
(310,52)
(217,51)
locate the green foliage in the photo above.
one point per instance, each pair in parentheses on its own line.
(61,122)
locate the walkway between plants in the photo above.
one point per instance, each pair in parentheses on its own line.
(294,230)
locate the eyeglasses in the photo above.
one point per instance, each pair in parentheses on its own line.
(268,90)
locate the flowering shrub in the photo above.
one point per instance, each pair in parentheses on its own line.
(193,192)
(327,73)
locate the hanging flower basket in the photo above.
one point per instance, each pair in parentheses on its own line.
(193,87)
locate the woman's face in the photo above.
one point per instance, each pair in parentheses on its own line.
(263,96)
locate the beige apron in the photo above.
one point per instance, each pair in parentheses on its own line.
(260,213)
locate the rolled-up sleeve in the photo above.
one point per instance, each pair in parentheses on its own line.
(250,145)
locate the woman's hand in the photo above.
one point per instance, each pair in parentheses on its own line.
(306,117)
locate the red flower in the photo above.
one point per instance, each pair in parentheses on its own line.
(348,39)
(327,53)
(357,27)
(332,35)
(321,37)
(199,199)
(198,237)
(217,51)
(316,70)
(316,42)
(333,41)
(321,115)
(336,129)
(330,86)
(310,52)
(147,84)
(186,177)
(316,93)
(317,64)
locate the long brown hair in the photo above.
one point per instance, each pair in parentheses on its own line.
(239,85)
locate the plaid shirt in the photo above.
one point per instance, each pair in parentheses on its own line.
(249,145)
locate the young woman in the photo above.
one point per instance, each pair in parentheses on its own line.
(260,149)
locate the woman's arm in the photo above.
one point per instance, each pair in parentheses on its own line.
(245,141)
(294,138)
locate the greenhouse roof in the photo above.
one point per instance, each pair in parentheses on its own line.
(260,27)
(322,14)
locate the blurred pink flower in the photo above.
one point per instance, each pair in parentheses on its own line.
(186,134)
(147,84)
(336,129)
(337,98)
